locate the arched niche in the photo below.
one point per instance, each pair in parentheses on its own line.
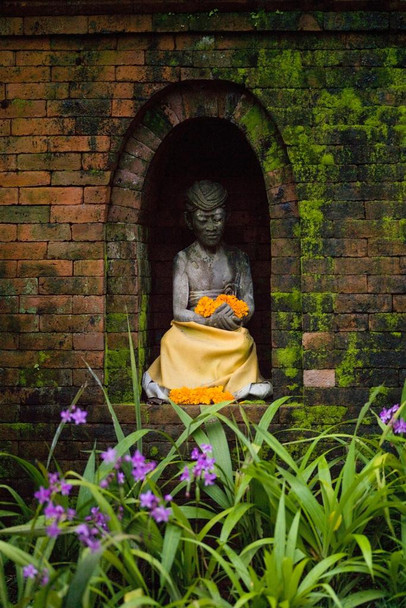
(192,130)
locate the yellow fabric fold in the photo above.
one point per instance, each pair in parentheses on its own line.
(195,355)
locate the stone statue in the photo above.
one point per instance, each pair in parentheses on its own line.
(214,350)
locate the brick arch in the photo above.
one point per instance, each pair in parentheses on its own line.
(128,267)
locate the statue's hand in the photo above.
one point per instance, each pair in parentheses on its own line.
(224,318)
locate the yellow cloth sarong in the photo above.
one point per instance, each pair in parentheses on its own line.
(196,355)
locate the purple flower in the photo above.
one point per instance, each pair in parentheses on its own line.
(160,514)
(54,512)
(70,514)
(185,475)
(45,577)
(120,477)
(53,480)
(148,500)
(53,531)
(168,497)
(203,469)
(209,478)
(66,416)
(65,488)
(79,416)
(206,448)
(88,536)
(399,426)
(98,518)
(42,495)
(109,456)
(83,530)
(386,414)
(30,571)
(141,468)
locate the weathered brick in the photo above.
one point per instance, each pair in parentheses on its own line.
(71,323)
(96,195)
(319,377)
(352,284)
(80,178)
(89,342)
(25,74)
(79,143)
(387,284)
(9,342)
(122,23)
(75,251)
(89,268)
(8,162)
(79,107)
(45,341)
(370,266)
(45,57)
(41,90)
(8,196)
(45,232)
(8,269)
(15,145)
(46,304)
(45,268)
(399,303)
(88,304)
(71,285)
(10,286)
(78,73)
(18,323)
(22,214)
(87,232)
(9,304)
(43,126)
(38,26)
(25,178)
(8,232)
(23,251)
(19,108)
(54,161)
(82,214)
(364,303)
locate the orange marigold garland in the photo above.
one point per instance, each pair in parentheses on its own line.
(200,395)
(206,306)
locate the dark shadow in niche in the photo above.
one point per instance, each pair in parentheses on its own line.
(207,148)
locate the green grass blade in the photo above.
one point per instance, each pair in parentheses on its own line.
(117,427)
(85,494)
(62,424)
(135,385)
(221,451)
(313,577)
(3,587)
(81,580)
(172,538)
(365,546)
(280,534)
(362,597)
(232,519)
(403,396)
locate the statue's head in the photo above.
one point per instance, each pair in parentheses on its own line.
(206,211)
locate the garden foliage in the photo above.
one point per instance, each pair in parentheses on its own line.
(238,522)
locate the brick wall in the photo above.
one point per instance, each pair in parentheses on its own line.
(320,101)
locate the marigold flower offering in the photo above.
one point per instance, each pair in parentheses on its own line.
(200,395)
(206,306)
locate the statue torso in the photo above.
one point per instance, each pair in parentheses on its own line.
(212,273)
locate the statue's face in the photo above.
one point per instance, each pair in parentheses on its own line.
(208,226)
